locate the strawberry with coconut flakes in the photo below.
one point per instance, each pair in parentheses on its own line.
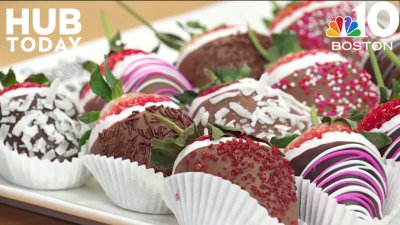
(309,22)
(252,106)
(38,122)
(344,164)
(324,79)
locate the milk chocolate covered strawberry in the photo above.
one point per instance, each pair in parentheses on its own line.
(126,125)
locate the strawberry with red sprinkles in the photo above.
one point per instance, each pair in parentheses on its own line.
(256,167)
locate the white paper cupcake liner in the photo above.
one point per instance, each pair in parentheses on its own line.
(318,208)
(204,199)
(42,174)
(129,185)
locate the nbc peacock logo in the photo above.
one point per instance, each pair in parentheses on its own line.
(343,27)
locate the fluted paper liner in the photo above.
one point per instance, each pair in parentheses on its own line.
(127,184)
(318,208)
(42,174)
(204,199)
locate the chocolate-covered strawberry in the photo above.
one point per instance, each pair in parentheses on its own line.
(344,164)
(386,116)
(37,121)
(324,79)
(252,106)
(254,166)
(127,124)
(310,20)
(223,46)
(138,70)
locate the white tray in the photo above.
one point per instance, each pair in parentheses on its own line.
(88,203)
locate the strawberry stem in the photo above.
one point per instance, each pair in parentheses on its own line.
(314,115)
(137,16)
(169,124)
(106,26)
(375,66)
(393,57)
(256,43)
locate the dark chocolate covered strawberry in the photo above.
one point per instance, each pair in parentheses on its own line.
(344,164)
(127,124)
(35,120)
(324,79)
(223,46)
(254,166)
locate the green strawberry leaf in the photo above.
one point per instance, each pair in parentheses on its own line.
(164,153)
(282,142)
(110,78)
(85,137)
(38,79)
(351,123)
(116,90)
(230,130)
(257,44)
(157,48)
(354,115)
(384,96)
(186,97)
(283,44)
(99,86)
(216,133)
(89,66)
(9,78)
(267,22)
(171,40)
(314,115)
(90,117)
(116,43)
(379,139)
(395,90)
(196,25)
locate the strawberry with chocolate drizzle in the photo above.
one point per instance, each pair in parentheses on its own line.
(253,165)
(343,163)
(324,79)
(309,20)
(126,125)
(386,116)
(35,120)
(223,46)
(138,70)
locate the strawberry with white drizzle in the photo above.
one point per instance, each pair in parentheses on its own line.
(126,125)
(324,79)
(38,122)
(309,20)
(139,71)
(343,164)
(252,106)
